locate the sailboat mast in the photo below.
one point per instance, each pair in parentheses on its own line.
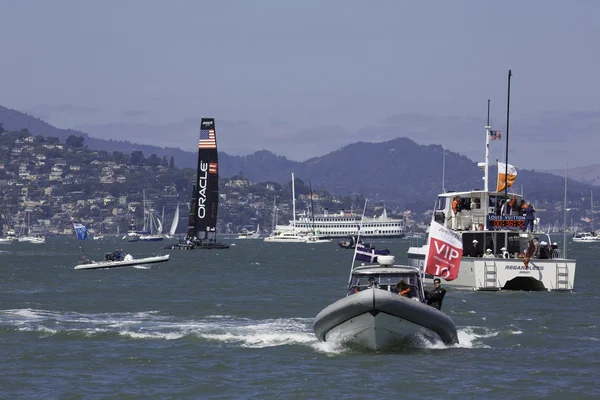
(293,204)
(565,216)
(507,128)
(486,167)
(592,208)
(444,170)
(312,211)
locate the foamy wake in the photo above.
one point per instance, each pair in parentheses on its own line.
(224,329)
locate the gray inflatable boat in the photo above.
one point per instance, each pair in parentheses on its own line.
(376,316)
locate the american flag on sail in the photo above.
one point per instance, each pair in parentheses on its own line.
(495,135)
(207,139)
(212,168)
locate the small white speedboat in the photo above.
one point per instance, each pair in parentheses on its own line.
(128,261)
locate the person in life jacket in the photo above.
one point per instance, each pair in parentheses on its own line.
(514,206)
(455,211)
(435,297)
(403,288)
(504,253)
(522,207)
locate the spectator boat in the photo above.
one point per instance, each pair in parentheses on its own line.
(128,261)
(374,315)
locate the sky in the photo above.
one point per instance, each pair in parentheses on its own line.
(305,78)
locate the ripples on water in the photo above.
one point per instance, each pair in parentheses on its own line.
(237,323)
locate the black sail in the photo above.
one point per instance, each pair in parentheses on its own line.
(207,182)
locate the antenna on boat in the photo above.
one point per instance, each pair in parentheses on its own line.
(486,164)
(592,210)
(357,241)
(507,127)
(443,170)
(565,215)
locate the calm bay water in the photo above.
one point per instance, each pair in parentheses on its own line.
(237,323)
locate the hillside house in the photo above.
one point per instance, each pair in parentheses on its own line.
(107,179)
(238,182)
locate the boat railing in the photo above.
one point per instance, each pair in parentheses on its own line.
(557,254)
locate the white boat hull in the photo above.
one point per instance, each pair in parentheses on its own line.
(132,237)
(493,274)
(32,239)
(125,263)
(593,239)
(249,236)
(151,238)
(285,238)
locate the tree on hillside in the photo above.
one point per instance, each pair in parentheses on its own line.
(75,141)
(164,162)
(137,158)
(119,157)
(153,160)
(52,140)
(1,128)
(172,162)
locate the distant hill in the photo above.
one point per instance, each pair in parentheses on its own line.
(398,171)
(589,174)
(13,120)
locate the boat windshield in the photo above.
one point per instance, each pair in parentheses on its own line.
(385,282)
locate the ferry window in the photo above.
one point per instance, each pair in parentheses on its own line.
(441,203)
(514,244)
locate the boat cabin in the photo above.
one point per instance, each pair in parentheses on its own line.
(386,277)
(478,210)
(481,217)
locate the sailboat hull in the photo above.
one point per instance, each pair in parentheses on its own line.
(185,246)
(131,262)
(151,238)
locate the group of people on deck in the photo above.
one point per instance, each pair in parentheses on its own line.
(512,207)
(515,208)
(541,250)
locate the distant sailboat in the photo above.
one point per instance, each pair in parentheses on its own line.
(26,235)
(591,236)
(202,227)
(100,235)
(152,224)
(246,234)
(174,223)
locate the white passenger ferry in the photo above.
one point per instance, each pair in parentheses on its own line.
(344,224)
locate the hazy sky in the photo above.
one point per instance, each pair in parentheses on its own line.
(303,77)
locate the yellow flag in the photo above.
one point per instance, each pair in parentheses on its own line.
(504,176)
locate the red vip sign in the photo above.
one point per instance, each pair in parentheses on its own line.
(445,252)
